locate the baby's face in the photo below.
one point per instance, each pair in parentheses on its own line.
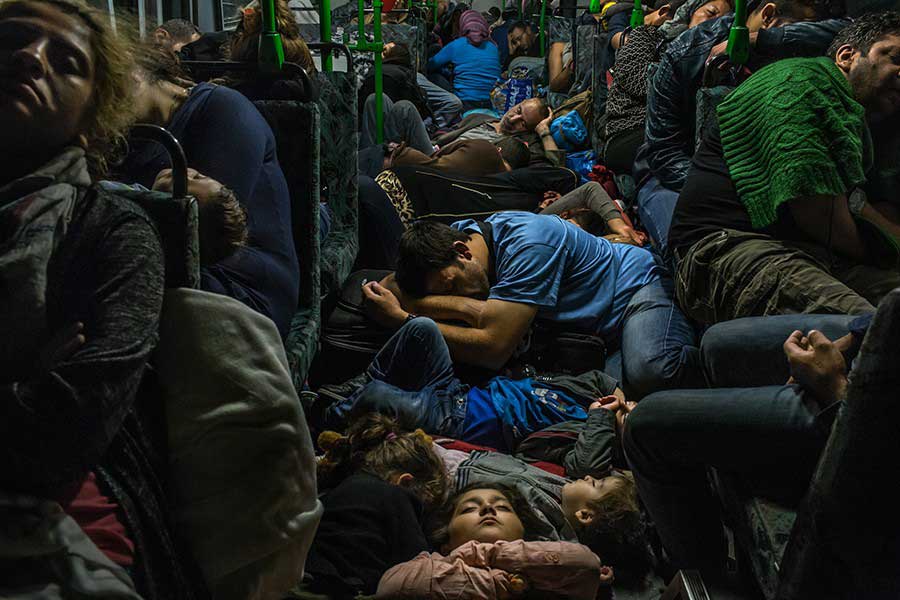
(200,186)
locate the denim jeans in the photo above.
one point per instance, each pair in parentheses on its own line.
(402,123)
(749,352)
(656,204)
(411,378)
(659,344)
(445,105)
(771,436)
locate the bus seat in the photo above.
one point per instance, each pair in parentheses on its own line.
(842,541)
(176,222)
(338,149)
(296,127)
(707,101)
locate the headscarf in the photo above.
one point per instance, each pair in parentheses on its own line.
(474,26)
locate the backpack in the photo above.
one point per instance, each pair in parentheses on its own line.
(350,340)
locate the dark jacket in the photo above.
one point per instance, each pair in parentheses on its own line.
(671,99)
(590,453)
(399,83)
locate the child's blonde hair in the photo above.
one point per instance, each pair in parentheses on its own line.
(376,444)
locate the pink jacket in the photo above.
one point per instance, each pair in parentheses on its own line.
(488,571)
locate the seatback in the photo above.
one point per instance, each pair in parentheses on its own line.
(708,100)
(412,33)
(846,541)
(176,221)
(296,127)
(338,174)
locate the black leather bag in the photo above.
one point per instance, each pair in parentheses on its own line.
(563,352)
(350,340)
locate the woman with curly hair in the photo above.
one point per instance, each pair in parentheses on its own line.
(381,480)
(80,303)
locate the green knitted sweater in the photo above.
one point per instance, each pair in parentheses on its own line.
(792,130)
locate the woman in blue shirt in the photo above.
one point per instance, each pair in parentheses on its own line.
(476,61)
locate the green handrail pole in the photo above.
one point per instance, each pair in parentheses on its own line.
(271,51)
(379,82)
(738,48)
(595,7)
(434,11)
(543,17)
(325,33)
(637,15)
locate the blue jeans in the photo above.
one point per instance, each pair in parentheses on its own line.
(659,344)
(656,204)
(445,105)
(771,436)
(411,378)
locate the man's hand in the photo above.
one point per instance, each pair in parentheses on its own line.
(622,416)
(61,347)
(549,198)
(544,126)
(817,365)
(623,229)
(382,306)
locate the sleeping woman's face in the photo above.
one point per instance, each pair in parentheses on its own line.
(483,515)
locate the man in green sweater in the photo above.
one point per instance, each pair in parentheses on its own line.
(772,219)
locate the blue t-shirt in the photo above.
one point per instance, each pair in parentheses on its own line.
(475,68)
(510,410)
(574,278)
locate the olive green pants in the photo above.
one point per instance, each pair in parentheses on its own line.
(731,274)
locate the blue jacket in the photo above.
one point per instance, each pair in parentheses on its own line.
(671,99)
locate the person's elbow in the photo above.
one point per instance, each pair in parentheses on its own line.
(497,352)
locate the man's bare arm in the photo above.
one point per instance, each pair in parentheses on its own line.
(438,308)
(490,344)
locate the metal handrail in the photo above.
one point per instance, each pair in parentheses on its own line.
(163,137)
(329,47)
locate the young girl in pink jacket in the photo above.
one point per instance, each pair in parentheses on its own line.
(484,556)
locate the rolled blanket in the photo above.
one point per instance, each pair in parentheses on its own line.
(792,130)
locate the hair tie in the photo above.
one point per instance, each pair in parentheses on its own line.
(391,436)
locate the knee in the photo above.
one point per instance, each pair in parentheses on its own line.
(642,425)
(405,107)
(676,367)
(423,329)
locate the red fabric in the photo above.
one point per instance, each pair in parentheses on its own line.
(387,6)
(451,444)
(97,516)
(604,177)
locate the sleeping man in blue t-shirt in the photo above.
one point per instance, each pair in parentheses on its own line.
(499,276)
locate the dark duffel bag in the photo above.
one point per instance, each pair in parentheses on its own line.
(350,340)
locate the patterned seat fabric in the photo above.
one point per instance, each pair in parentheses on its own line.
(761,527)
(339,143)
(176,221)
(707,101)
(296,127)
